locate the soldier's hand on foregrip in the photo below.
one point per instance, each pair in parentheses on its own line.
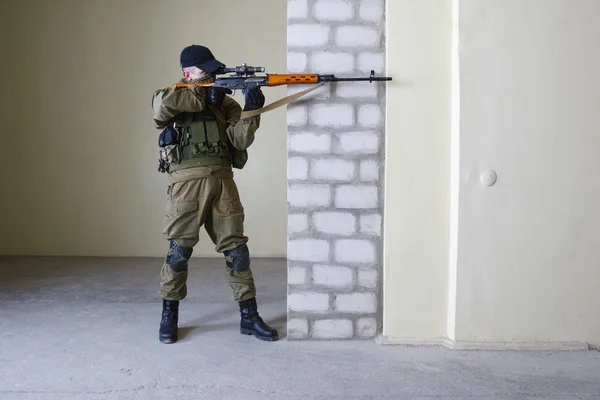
(255,99)
(216,94)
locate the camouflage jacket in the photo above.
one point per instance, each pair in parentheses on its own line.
(170,101)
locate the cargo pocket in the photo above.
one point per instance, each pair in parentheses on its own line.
(228,218)
(181,220)
(232,209)
(235,216)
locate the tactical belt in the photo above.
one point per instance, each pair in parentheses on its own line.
(203,171)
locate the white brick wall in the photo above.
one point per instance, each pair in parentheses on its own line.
(297,168)
(322,93)
(366,327)
(356,303)
(338,223)
(355,251)
(296,62)
(331,115)
(307,34)
(333,329)
(308,302)
(369,170)
(371,61)
(371,10)
(297,9)
(327,62)
(297,115)
(309,196)
(357,143)
(347,196)
(308,250)
(370,224)
(333,10)
(332,169)
(354,36)
(297,223)
(297,276)
(310,143)
(369,116)
(335,152)
(356,90)
(332,276)
(297,328)
(367,278)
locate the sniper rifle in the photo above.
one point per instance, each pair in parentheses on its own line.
(244,78)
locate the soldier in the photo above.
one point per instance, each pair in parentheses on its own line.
(203,137)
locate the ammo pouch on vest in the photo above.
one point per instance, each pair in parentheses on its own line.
(202,141)
(238,157)
(169,149)
(198,139)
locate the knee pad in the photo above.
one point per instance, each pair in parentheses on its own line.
(238,258)
(178,257)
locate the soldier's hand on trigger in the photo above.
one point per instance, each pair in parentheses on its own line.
(216,94)
(254,99)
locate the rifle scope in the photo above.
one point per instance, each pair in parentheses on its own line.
(242,70)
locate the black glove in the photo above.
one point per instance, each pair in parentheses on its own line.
(216,94)
(255,99)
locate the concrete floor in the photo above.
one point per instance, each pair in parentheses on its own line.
(86,328)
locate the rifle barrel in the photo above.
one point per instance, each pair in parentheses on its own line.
(336,79)
(371,78)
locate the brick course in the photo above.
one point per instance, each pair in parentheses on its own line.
(335,149)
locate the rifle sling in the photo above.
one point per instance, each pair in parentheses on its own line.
(217,113)
(280,102)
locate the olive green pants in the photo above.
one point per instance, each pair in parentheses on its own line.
(204,196)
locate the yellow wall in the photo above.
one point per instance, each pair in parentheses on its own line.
(78,78)
(417,163)
(508,86)
(528,262)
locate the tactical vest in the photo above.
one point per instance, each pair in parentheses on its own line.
(204,140)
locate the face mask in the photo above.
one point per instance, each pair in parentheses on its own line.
(208,78)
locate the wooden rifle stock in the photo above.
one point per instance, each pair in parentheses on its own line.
(179,85)
(290,79)
(270,80)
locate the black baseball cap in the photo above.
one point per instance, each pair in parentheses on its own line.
(201,57)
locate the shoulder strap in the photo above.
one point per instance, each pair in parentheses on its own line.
(280,102)
(217,113)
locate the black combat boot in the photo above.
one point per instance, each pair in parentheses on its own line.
(168,322)
(252,323)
